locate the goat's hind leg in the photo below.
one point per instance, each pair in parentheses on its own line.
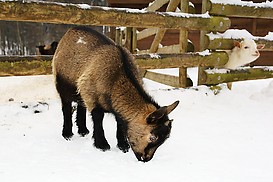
(81,120)
(100,141)
(67,114)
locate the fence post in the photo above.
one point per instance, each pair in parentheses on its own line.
(134,40)
(183,43)
(201,70)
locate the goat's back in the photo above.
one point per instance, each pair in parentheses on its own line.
(93,63)
(83,50)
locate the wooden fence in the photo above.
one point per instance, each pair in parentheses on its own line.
(156,22)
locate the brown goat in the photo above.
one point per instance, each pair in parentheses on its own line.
(99,75)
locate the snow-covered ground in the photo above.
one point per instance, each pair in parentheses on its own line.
(226,137)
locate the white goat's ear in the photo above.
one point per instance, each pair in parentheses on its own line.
(237,43)
(260,46)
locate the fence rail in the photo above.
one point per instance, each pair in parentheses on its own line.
(11,65)
(237,75)
(249,10)
(92,15)
(227,44)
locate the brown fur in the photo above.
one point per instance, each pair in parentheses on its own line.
(105,76)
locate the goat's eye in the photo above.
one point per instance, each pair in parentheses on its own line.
(246,47)
(153,138)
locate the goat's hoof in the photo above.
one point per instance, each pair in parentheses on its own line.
(67,135)
(83,132)
(102,145)
(124,147)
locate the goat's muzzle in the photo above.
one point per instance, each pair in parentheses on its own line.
(142,157)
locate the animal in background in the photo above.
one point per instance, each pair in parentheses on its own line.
(47,49)
(243,53)
(101,77)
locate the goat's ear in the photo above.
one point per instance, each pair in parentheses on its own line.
(260,46)
(159,113)
(237,43)
(156,115)
(171,107)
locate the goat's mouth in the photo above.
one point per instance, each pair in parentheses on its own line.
(141,157)
(256,54)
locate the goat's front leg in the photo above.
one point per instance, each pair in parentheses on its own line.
(122,135)
(100,141)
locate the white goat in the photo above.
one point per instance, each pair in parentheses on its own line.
(243,53)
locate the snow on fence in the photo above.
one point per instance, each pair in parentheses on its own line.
(157,22)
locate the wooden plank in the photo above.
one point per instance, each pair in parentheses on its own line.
(146,33)
(172,49)
(161,32)
(264,60)
(227,44)
(31,65)
(232,10)
(162,78)
(159,61)
(93,15)
(238,75)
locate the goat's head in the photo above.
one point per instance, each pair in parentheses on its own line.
(146,137)
(248,49)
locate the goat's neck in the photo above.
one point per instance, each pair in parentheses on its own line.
(234,54)
(130,104)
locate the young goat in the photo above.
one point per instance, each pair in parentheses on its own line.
(47,49)
(93,71)
(243,53)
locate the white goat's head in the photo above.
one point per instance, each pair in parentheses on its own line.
(243,53)
(248,49)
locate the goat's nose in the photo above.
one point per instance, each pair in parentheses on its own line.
(257,53)
(142,157)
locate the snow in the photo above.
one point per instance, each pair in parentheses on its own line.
(187,15)
(269,36)
(215,70)
(267,4)
(232,34)
(154,55)
(239,34)
(204,53)
(224,137)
